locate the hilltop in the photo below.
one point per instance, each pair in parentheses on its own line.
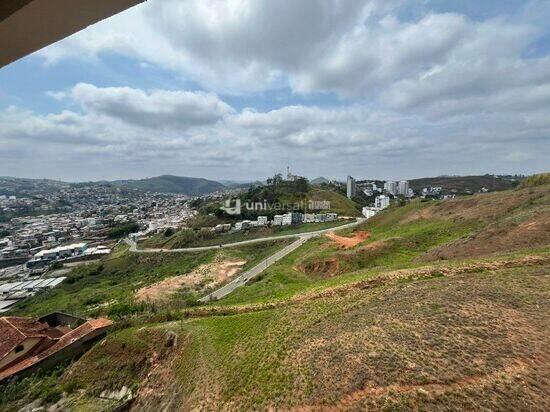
(414,316)
(191,186)
(319,181)
(465,184)
(15,186)
(300,191)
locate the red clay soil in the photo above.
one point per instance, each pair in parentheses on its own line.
(325,268)
(348,242)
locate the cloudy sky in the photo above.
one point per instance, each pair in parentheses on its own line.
(240,89)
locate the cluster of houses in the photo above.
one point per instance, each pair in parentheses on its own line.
(13,292)
(75,251)
(287,219)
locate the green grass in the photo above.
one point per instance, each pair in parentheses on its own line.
(419,344)
(129,349)
(338,203)
(402,245)
(108,287)
(44,385)
(177,240)
(410,333)
(430,340)
(535,180)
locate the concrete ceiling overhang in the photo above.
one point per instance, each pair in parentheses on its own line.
(29,25)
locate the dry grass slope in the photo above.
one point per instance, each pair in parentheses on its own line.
(459,342)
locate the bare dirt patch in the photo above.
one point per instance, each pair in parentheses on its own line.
(348,242)
(205,276)
(325,268)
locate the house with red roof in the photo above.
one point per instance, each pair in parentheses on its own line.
(27,344)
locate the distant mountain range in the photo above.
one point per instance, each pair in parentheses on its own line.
(319,181)
(234,184)
(191,186)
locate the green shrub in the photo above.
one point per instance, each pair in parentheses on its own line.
(122,230)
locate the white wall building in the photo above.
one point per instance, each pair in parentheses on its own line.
(382,202)
(309,218)
(62,252)
(287,219)
(369,212)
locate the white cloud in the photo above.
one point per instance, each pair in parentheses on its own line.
(158,108)
(427,87)
(354,48)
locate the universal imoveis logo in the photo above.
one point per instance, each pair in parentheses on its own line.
(234,206)
(232,210)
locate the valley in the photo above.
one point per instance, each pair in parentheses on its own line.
(414,314)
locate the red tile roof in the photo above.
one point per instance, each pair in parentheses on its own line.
(14,331)
(11,337)
(66,340)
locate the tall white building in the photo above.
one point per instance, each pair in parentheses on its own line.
(403,188)
(390,187)
(351,188)
(382,201)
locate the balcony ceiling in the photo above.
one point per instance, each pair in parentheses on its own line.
(29,25)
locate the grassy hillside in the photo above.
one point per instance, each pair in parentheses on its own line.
(286,194)
(439,309)
(338,203)
(415,340)
(173,184)
(184,238)
(409,236)
(108,287)
(463,184)
(536,180)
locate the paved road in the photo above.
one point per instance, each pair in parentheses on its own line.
(242,279)
(134,248)
(255,271)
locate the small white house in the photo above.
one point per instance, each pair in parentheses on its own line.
(287,219)
(369,212)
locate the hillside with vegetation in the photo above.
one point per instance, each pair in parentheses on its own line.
(190,186)
(413,316)
(298,192)
(466,184)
